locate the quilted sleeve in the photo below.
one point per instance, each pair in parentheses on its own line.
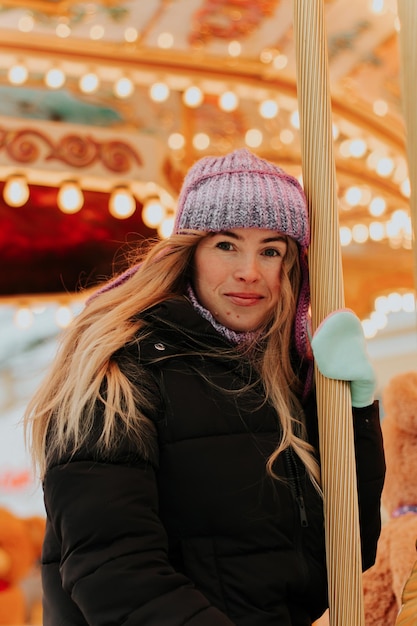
(370,468)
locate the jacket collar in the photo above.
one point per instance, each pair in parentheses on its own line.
(179,316)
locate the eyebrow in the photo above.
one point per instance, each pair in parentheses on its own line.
(277,238)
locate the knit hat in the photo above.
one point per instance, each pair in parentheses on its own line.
(241,190)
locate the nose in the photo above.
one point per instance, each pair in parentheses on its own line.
(247,270)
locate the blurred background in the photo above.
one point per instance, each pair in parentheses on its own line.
(103,107)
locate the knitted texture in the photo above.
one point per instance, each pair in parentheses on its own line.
(241,190)
(234,336)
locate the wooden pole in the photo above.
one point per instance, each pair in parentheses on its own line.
(327,294)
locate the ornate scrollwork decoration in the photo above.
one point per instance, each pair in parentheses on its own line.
(25,145)
(117,156)
(76,151)
(28,146)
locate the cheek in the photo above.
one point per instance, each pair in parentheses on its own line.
(207,276)
(274,283)
(274,279)
(209,280)
(209,272)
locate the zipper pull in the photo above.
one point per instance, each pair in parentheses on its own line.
(303,513)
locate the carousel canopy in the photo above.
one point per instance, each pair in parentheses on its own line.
(105,104)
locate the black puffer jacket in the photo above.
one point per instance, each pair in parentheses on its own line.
(198,535)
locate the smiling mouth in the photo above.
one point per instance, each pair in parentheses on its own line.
(244,299)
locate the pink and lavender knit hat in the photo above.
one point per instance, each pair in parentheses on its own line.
(241,190)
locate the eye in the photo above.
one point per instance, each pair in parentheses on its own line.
(224,245)
(272,252)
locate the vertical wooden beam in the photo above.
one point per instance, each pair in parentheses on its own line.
(337,453)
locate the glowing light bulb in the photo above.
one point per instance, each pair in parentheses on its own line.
(377,206)
(193,97)
(18,74)
(70,197)
(280,61)
(131,34)
(63,316)
(23,318)
(360,233)
(268,109)
(357,148)
(253,137)
(353,196)
(166,227)
(89,83)
(55,78)
(153,213)
(165,40)
(201,141)
(122,204)
(123,88)
(16,191)
(345,236)
(234,48)
(159,92)
(176,141)
(295,119)
(228,101)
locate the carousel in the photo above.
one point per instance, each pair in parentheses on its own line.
(105,104)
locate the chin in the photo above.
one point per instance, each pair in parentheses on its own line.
(244,329)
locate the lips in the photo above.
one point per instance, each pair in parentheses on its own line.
(244,299)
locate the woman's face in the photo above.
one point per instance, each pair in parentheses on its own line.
(237,275)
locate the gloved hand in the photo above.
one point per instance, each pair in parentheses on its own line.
(339,350)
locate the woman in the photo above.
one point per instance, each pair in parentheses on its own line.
(176,432)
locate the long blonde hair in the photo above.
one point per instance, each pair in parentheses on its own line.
(60,416)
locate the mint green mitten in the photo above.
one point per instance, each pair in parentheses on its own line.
(339,349)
